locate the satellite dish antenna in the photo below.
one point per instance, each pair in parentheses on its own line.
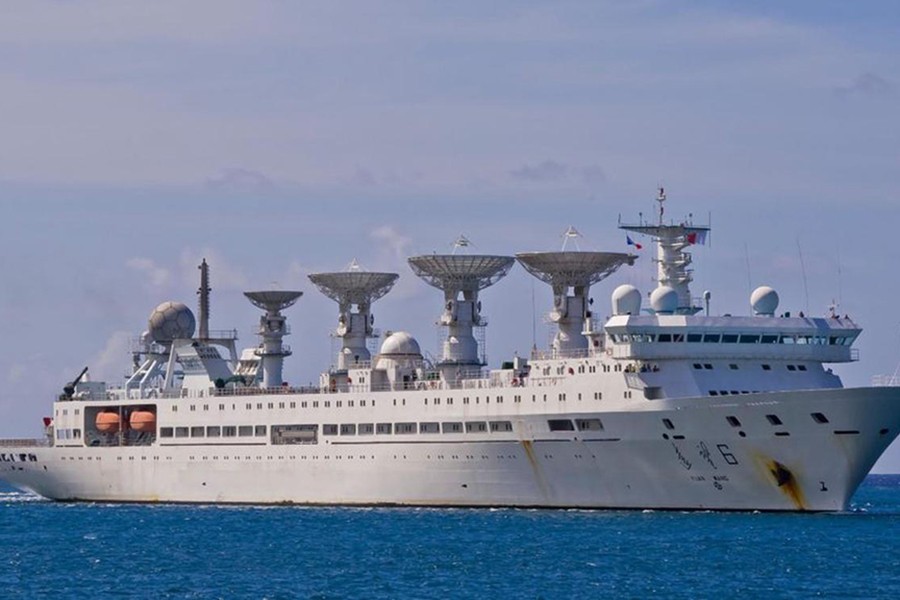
(357,288)
(272,329)
(461,277)
(575,271)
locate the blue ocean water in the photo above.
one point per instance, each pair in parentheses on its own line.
(165,551)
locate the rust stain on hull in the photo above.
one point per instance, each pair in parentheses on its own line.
(528,446)
(787,483)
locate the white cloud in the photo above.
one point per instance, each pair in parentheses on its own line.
(223,275)
(111,363)
(154,274)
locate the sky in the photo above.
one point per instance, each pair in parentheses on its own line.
(281,138)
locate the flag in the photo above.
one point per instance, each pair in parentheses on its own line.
(696,237)
(631,242)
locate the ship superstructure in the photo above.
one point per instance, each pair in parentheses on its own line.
(657,406)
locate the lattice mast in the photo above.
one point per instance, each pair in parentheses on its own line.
(673,261)
(203,294)
(354,290)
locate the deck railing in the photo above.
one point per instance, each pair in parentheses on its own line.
(25,443)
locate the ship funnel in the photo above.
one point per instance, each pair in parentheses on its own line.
(354,290)
(272,329)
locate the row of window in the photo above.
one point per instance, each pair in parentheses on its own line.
(735,367)
(213,431)
(412,427)
(734,338)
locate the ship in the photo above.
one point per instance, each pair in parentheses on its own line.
(661,405)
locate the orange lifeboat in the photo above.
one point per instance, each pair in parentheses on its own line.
(143,421)
(108,422)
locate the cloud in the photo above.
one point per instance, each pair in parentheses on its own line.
(547,171)
(236,179)
(155,275)
(396,243)
(112,362)
(867,84)
(222,275)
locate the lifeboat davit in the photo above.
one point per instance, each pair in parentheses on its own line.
(108,422)
(143,421)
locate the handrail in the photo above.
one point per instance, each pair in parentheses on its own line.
(25,443)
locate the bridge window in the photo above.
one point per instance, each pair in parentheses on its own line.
(165,432)
(766,367)
(819,418)
(694,338)
(711,338)
(452,427)
(729,338)
(348,429)
(774,420)
(383,428)
(749,339)
(589,424)
(476,426)
(733,421)
(560,425)
(769,339)
(366,429)
(501,426)
(405,428)
(198,431)
(213,431)
(429,428)
(668,423)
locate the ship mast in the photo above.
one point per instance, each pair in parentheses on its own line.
(673,260)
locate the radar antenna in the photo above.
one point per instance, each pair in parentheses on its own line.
(460,277)
(272,329)
(354,288)
(576,271)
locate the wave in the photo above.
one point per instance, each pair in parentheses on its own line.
(12,497)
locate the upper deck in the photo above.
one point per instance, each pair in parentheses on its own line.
(826,340)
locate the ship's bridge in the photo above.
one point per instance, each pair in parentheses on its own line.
(653,337)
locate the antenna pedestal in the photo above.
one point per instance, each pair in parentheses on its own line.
(272,329)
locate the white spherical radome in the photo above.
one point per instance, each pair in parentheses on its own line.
(664,300)
(764,301)
(626,300)
(400,343)
(171,321)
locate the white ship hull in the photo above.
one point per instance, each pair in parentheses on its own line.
(634,462)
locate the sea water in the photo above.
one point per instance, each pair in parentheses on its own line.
(62,550)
